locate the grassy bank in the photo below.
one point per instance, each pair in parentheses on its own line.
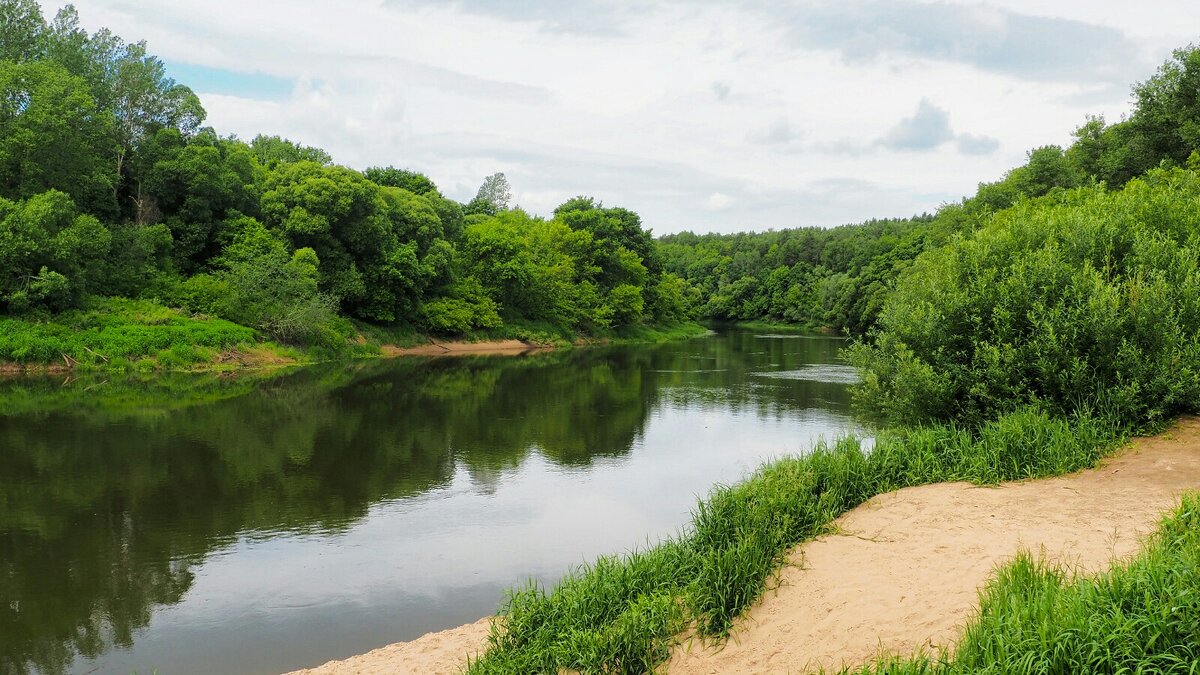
(1141,616)
(133,335)
(622,614)
(142,336)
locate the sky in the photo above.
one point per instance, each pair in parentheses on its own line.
(702,115)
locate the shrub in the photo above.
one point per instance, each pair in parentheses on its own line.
(1084,301)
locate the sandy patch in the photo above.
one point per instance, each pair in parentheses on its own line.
(455,348)
(905,568)
(431,654)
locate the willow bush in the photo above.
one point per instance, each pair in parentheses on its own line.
(1083,300)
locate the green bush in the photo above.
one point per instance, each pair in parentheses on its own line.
(1083,301)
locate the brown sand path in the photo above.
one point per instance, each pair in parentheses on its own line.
(904,570)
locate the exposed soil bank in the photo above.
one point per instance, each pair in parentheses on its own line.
(903,570)
(455,348)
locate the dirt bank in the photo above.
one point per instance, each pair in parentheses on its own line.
(432,348)
(904,569)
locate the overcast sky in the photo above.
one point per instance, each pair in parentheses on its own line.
(708,115)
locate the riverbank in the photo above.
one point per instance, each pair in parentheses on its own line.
(141,336)
(902,571)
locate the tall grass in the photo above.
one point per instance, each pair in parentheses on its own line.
(1142,616)
(115,332)
(622,614)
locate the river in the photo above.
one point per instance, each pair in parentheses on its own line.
(254,524)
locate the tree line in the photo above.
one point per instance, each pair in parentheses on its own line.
(841,277)
(110,185)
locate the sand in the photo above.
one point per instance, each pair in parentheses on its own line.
(431,654)
(462,348)
(904,570)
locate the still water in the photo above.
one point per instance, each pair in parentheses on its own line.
(206,524)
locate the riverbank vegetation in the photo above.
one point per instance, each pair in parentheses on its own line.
(622,614)
(1022,333)
(112,188)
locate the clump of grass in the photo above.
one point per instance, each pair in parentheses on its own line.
(622,614)
(1142,616)
(113,332)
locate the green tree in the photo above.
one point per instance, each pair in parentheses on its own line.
(52,136)
(22,30)
(493,196)
(413,181)
(274,150)
(49,253)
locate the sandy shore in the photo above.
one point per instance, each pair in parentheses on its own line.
(903,571)
(432,348)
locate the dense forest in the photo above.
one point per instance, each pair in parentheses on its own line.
(111,187)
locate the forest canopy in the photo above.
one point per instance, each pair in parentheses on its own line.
(110,185)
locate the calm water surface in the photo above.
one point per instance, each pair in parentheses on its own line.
(203,524)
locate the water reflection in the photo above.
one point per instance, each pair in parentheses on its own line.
(200,524)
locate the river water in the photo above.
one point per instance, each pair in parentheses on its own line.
(255,524)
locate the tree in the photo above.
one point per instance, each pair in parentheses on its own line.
(49,253)
(376,245)
(22,30)
(52,136)
(493,196)
(413,181)
(274,150)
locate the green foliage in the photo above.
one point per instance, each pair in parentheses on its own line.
(111,329)
(1139,616)
(1089,301)
(259,284)
(413,181)
(49,255)
(620,615)
(272,151)
(492,198)
(813,277)
(53,136)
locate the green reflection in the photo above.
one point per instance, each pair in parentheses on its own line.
(112,492)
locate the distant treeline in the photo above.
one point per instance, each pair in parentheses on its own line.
(840,277)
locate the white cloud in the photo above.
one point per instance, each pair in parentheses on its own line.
(660,107)
(718,201)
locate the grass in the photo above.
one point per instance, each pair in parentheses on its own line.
(1141,616)
(143,336)
(621,614)
(123,335)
